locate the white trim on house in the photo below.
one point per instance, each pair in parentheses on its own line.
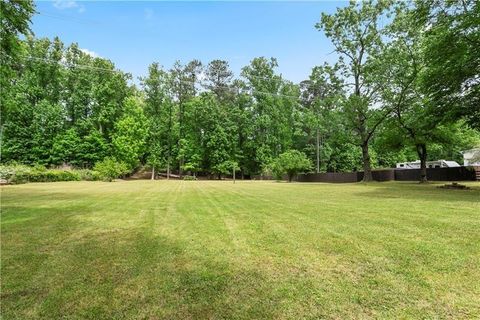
(468,155)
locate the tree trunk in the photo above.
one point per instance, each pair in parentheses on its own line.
(169,141)
(422,154)
(153,173)
(180,137)
(318,151)
(290,177)
(168,170)
(367,169)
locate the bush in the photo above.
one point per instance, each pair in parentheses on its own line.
(89,175)
(225,167)
(18,174)
(189,178)
(110,169)
(290,163)
(7,172)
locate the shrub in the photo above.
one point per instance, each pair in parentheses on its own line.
(290,163)
(89,175)
(226,167)
(189,178)
(6,172)
(110,169)
(18,174)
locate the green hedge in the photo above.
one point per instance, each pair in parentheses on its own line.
(17,174)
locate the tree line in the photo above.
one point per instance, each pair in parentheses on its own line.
(405,87)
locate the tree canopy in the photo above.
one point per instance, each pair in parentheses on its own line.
(405,86)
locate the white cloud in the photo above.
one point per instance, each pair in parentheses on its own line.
(92,54)
(68,4)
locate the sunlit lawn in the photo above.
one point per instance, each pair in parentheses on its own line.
(253,250)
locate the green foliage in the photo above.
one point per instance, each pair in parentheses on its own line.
(9,171)
(130,132)
(290,163)
(60,110)
(89,175)
(110,169)
(356,33)
(160,117)
(405,82)
(70,148)
(15,18)
(193,164)
(65,147)
(451,41)
(93,148)
(273,112)
(226,167)
(17,174)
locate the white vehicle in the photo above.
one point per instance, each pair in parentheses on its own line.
(430,164)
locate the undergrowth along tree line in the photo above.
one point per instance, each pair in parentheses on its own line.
(405,87)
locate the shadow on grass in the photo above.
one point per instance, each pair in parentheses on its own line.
(422,192)
(127,274)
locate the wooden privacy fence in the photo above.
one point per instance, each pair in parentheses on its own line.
(329,177)
(433,174)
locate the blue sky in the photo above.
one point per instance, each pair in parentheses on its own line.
(135,33)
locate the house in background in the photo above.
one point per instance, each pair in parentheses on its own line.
(430,164)
(471,157)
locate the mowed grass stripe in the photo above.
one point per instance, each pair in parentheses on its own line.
(214,249)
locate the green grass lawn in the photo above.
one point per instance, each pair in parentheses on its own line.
(253,250)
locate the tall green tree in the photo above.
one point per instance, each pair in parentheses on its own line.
(413,107)
(356,33)
(15,19)
(159,111)
(211,137)
(275,102)
(184,81)
(94,91)
(32,113)
(218,78)
(130,133)
(451,43)
(241,115)
(321,96)
(57,89)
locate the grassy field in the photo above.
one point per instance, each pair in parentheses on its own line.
(253,250)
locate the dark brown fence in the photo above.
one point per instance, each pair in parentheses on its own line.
(433,174)
(329,177)
(437,174)
(380,175)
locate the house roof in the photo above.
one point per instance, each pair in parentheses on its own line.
(470,150)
